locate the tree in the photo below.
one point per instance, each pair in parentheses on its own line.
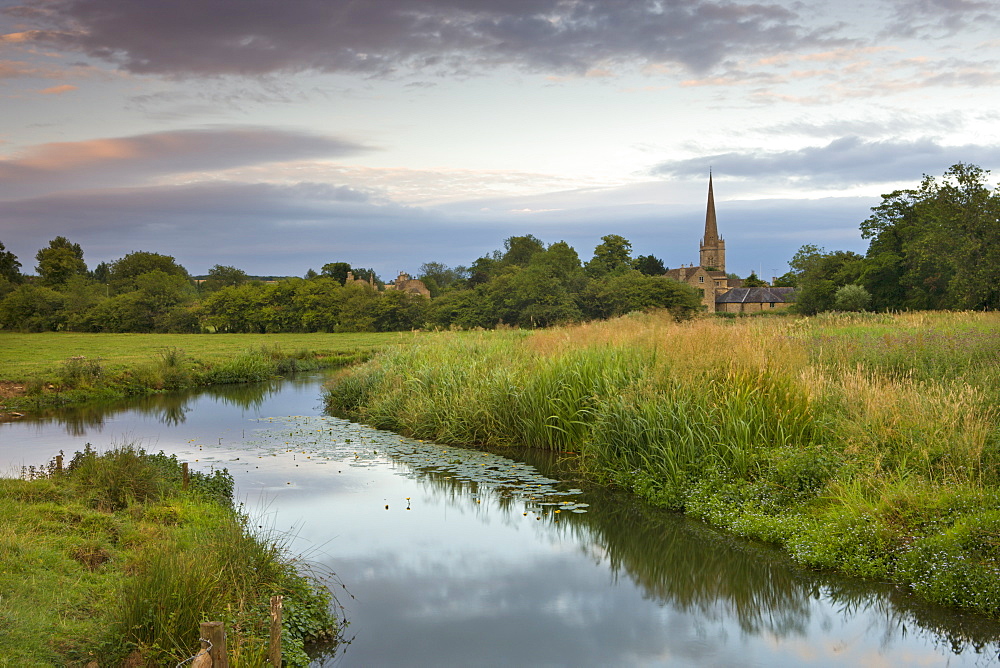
(818,274)
(519,250)
(649,265)
(851,298)
(124,272)
(336,270)
(101,272)
(220,276)
(937,246)
(439,277)
(58,261)
(752,281)
(612,256)
(32,308)
(634,291)
(10,268)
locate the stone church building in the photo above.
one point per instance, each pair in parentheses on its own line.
(719,293)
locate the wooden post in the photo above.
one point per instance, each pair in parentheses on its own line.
(274,648)
(215,633)
(59,460)
(184,475)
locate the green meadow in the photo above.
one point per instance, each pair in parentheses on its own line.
(55,368)
(864,443)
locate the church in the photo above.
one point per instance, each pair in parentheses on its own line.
(719,293)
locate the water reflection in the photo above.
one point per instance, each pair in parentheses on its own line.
(169,409)
(711,576)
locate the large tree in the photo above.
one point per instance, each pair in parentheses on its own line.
(612,256)
(817,275)
(58,261)
(10,268)
(125,271)
(649,265)
(936,246)
(221,276)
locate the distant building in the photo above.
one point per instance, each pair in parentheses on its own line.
(351,278)
(409,285)
(719,293)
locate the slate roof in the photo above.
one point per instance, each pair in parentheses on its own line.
(755,296)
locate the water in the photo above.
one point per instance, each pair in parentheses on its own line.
(453,557)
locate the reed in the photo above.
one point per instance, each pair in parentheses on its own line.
(811,433)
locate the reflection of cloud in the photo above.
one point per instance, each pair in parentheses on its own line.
(209,38)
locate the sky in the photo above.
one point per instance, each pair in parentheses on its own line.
(279,135)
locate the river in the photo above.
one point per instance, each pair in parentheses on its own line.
(452,557)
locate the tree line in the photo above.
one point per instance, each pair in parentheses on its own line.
(936,246)
(525,284)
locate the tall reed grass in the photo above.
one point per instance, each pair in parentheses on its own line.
(804,432)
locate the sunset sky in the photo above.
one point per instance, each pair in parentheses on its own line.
(279,135)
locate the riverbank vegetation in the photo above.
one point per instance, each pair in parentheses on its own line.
(55,368)
(865,443)
(113,558)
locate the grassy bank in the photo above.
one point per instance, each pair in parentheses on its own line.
(868,443)
(46,369)
(112,559)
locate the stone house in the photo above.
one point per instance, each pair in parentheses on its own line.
(753,300)
(409,285)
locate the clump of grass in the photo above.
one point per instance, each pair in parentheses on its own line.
(81,372)
(110,557)
(248,367)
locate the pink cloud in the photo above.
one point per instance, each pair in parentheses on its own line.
(58,90)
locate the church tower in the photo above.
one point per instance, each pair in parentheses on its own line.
(713,248)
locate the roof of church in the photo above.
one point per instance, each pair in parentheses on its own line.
(755,296)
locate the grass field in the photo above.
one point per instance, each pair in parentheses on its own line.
(25,356)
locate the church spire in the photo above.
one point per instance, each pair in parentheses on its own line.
(711,226)
(713,249)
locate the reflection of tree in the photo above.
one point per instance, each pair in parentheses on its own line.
(244,395)
(695,568)
(169,408)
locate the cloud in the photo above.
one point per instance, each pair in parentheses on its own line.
(58,90)
(247,224)
(845,161)
(215,37)
(129,160)
(16,69)
(872,124)
(927,18)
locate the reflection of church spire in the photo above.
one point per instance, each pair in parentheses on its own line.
(713,249)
